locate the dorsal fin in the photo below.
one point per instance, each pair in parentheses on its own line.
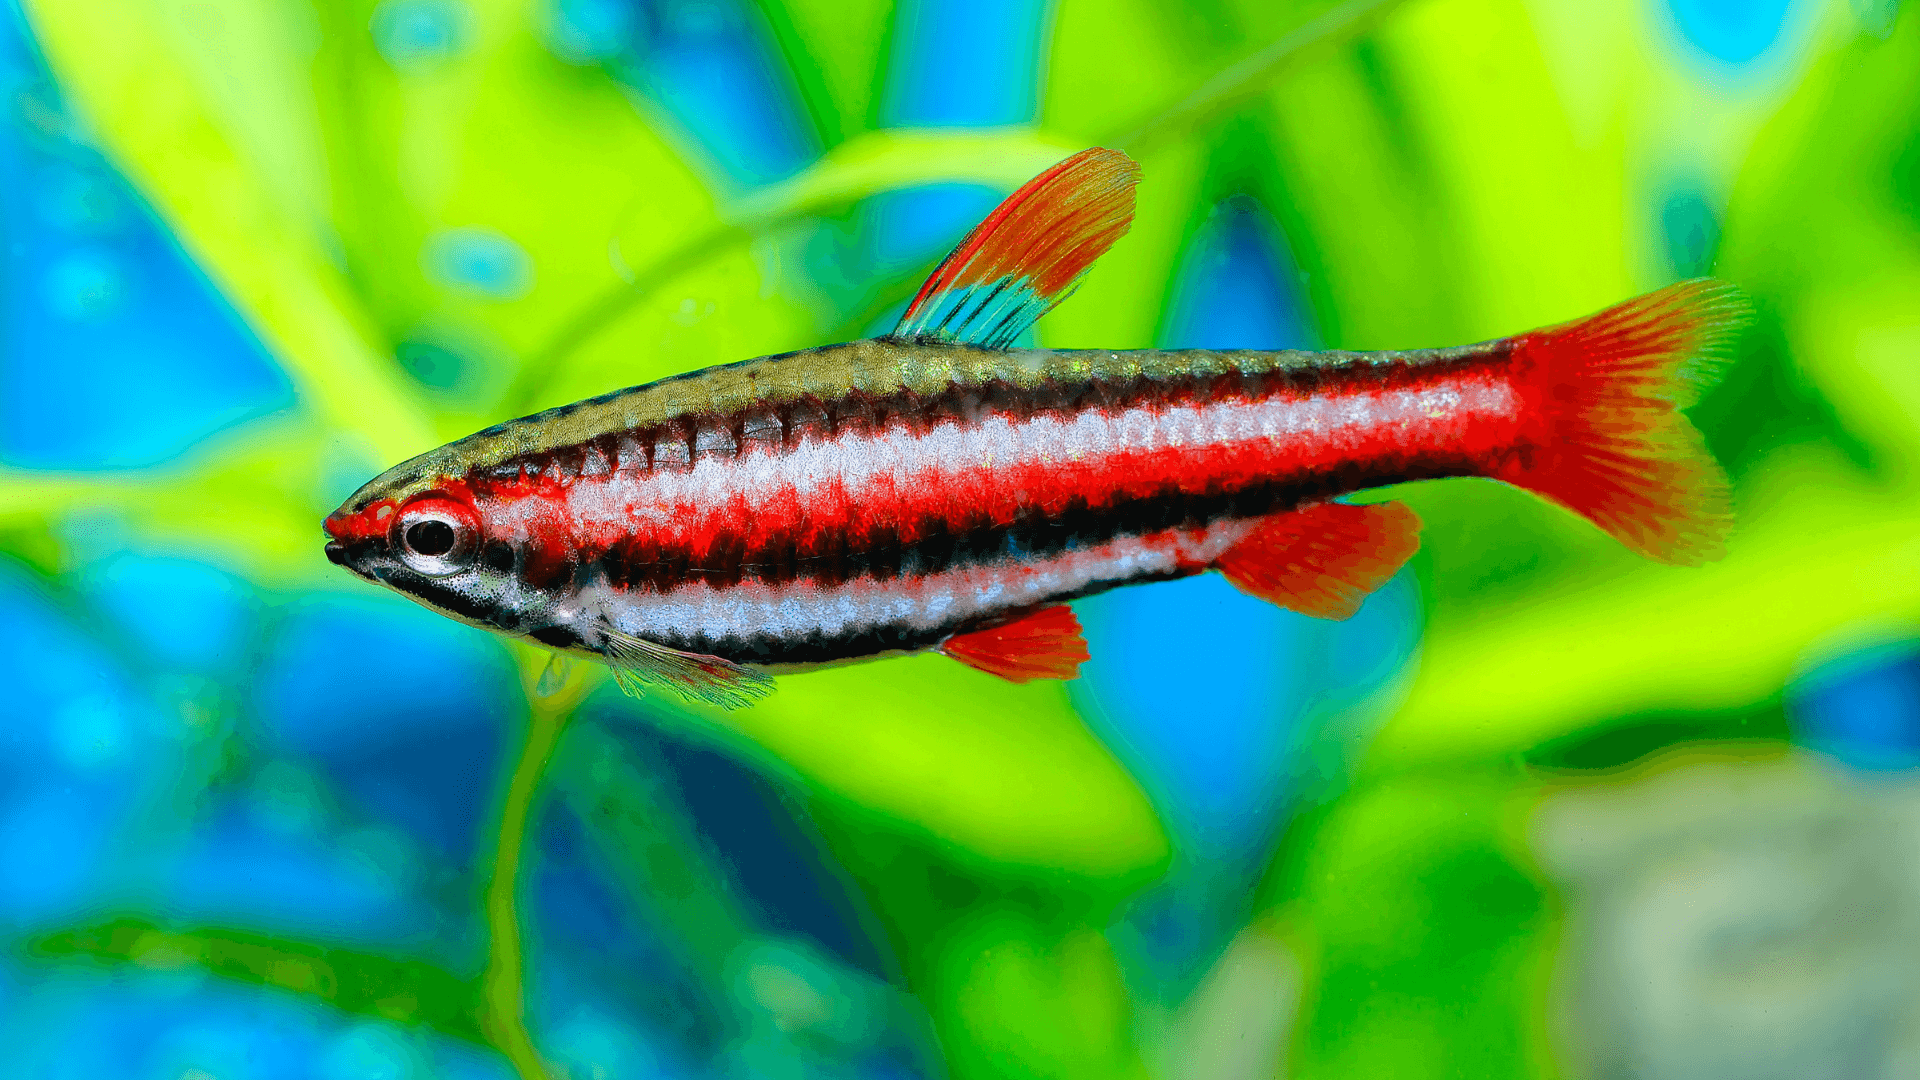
(1323,560)
(1027,255)
(1044,645)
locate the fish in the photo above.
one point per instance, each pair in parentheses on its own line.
(941,489)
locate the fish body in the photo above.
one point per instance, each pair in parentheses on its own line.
(937,489)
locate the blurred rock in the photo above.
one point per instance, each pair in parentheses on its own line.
(1739,920)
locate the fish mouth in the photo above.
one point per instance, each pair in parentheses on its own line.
(336,553)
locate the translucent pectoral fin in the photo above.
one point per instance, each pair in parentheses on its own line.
(1323,560)
(637,663)
(1044,645)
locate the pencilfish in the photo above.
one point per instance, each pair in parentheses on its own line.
(939,489)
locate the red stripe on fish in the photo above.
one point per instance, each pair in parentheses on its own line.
(905,484)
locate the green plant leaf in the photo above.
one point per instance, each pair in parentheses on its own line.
(1004,773)
(368,984)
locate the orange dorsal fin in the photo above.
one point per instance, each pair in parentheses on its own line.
(1044,645)
(1027,255)
(1323,560)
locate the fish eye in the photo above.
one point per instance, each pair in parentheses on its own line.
(431,537)
(436,535)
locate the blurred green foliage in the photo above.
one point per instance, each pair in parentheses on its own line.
(408,991)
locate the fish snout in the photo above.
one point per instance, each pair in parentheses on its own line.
(336,553)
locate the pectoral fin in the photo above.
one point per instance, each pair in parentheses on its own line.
(1323,560)
(637,662)
(1044,645)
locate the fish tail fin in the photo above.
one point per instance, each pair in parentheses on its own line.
(1612,445)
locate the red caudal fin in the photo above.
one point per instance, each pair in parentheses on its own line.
(1608,441)
(1027,255)
(1044,645)
(1323,560)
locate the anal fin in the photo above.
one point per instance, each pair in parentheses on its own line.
(1323,560)
(1044,645)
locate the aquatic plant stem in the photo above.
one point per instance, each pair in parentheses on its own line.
(503,985)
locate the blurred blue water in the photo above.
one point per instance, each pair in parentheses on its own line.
(965,63)
(171,613)
(1237,286)
(589,1041)
(904,233)
(596,31)
(480,261)
(607,990)
(84,1024)
(1734,31)
(417,35)
(90,808)
(710,65)
(242,870)
(906,230)
(115,350)
(84,749)
(402,710)
(1862,708)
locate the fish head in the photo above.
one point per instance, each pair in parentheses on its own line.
(424,541)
